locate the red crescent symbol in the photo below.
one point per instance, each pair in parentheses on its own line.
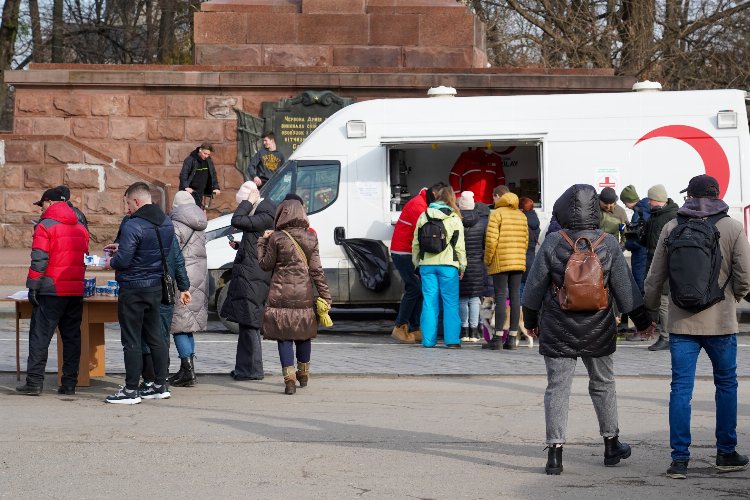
(714,159)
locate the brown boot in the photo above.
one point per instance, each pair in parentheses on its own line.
(417,335)
(402,335)
(303,373)
(290,381)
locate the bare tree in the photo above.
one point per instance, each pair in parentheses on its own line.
(57,31)
(36,32)
(8,33)
(682,43)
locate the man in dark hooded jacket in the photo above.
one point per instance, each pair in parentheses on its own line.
(198,175)
(564,336)
(144,239)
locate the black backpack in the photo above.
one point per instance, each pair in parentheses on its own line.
(432,237)
(694,262)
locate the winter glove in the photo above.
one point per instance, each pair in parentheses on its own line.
(33,299)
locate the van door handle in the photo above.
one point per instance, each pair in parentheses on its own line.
(339,233)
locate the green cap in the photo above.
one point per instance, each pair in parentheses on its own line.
(629,194)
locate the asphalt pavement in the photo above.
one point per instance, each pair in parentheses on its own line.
(378,420)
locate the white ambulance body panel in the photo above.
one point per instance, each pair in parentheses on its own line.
(548,142)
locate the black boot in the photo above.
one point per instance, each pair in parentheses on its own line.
(476,334)
(554,460)
(464,333)
(192,366)
(614,451)
(177,376)
(188,376)
(495,343)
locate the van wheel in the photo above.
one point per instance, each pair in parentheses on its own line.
(231,325)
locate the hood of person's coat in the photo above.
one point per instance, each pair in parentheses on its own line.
(578,208)
(469,217)
(290,213)
(191,215)
(508,200)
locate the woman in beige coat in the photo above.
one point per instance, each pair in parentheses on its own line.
(291,253)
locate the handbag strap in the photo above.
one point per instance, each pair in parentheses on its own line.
(299,248)
(186,241)
(161,250)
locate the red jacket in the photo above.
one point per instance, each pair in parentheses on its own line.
(57,251)
(403,233)
(479,172)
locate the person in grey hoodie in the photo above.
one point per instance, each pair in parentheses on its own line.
(564,336)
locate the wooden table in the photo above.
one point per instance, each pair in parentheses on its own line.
(97,310)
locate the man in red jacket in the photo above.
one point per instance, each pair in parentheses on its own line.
(406,330)
(55,283)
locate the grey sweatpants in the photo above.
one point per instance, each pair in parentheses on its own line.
(557,396)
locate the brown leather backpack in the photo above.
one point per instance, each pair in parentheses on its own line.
(583,282)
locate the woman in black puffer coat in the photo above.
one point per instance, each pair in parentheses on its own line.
(248,289)
(472,285)
(564,336)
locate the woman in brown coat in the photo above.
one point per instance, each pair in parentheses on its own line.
(291,252)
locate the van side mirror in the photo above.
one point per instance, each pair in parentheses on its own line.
(339,234)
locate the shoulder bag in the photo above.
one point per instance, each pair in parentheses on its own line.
(167,282)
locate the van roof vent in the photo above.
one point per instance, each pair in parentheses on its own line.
(646,86)
(441,91)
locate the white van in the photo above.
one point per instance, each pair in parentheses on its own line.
(359,167)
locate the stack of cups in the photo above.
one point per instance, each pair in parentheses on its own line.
(89,287)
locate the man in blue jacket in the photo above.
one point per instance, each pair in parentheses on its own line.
(143,240)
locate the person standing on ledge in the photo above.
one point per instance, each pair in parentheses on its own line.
(55,283)
(198,175)
(265,162)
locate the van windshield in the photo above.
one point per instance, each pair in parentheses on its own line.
(281,183)
(315,181)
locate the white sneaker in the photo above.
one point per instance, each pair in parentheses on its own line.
(124,397)
(154,391)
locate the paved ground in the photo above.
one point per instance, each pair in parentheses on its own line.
(379,420)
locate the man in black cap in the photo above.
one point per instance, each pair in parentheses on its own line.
(79,215)
(613,217)
(705,326)
(55,283)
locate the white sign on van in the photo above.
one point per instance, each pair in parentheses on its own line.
(607,177)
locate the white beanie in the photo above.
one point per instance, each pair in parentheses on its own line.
(248,191)
(182,198)
(466,200)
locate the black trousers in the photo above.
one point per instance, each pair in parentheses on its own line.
(249,359)
(55,312)
(138,314)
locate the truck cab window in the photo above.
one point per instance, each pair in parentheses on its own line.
(316,182)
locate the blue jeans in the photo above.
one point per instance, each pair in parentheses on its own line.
(722,351)
(440,283)
(185,344)
(469,311)
(411,303)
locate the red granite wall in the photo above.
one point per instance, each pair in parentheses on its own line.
(29,165)
(366,33)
